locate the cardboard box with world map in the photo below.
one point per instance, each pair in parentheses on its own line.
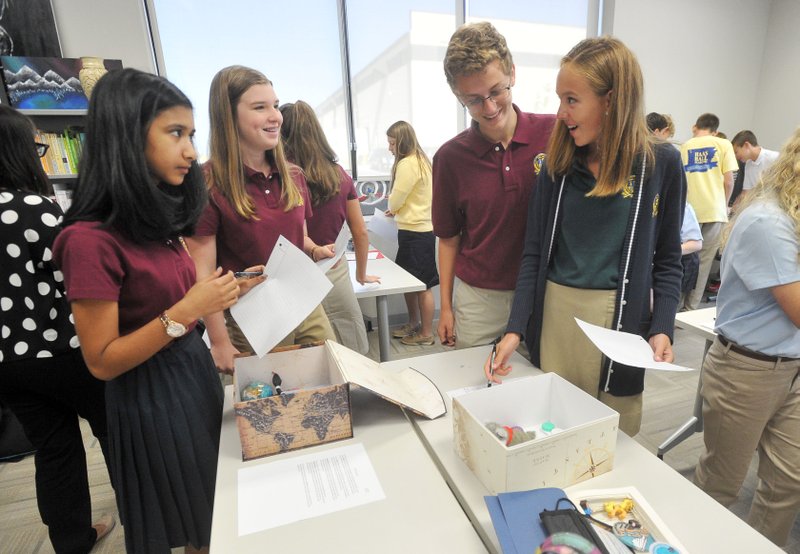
(563,435)
(314,404)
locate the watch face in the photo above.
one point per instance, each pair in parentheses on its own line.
(175,329)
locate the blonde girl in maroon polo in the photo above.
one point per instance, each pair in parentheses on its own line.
(135,300)
(255,195)
(334,200)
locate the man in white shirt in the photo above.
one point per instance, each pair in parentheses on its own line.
(755,159)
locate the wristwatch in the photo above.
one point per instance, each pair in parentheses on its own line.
(173,328)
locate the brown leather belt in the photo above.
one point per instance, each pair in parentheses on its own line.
(751,354)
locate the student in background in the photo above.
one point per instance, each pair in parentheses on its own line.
(658,125)
(135,299)
(255,195)
(691,244)
(750,384)
(334,201)
(670,131)
(691,237)
(709,163)
(756,159)
(603,228)
(482,179)
(410,204)
(43,378)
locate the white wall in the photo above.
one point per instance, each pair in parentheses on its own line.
(701,57)
(111,29)
(777,110)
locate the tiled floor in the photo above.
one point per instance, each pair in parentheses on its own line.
(669,398)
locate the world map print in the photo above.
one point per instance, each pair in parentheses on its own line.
(293,420)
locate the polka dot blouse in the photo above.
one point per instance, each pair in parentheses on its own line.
(35,319)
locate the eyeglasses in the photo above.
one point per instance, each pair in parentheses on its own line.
(41,149)
(495,96)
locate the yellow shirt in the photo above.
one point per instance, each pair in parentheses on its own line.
(706,159)
(411,196)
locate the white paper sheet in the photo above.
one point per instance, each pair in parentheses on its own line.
(271,310)
(339,247)
(625,348)
(294,489)
(382,231)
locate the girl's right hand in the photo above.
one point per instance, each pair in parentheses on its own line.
(213,293)
(505,348)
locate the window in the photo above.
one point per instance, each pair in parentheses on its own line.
(538,33)
(395,49)
(397,74)
(297,49)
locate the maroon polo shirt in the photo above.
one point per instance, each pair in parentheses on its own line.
(241,242)
(144,279)
(329,217)
(481,192)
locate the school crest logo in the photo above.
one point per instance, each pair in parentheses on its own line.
(627,190)
(655,205)
(537,163)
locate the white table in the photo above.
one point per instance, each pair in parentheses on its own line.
(394,280)
(419,514)
(699,322)
(701,524)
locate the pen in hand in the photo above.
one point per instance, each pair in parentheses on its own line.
(247,274)
(491,364)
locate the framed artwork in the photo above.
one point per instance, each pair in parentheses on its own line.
(27,28)
(34,83)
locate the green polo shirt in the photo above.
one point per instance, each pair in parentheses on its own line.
(589,240)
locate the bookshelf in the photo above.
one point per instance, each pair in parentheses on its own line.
(52,123)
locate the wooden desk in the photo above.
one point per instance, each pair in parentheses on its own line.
(419,514)
(394,280)
(697,520)
(699,322)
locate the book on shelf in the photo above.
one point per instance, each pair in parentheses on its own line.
(39,137)
(64,151)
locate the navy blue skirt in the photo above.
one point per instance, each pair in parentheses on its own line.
(416,253)
(164,420)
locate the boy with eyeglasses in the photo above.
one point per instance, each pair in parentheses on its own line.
(482,179)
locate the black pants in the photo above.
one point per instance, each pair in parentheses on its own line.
(47,395)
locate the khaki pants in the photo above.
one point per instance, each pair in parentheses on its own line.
(711,235)
(481,314)
(343,311)
(568,352)
(751,405)
(315,327)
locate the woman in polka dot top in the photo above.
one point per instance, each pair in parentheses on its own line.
(42,374)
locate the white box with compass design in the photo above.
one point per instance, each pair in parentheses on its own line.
(542,432)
